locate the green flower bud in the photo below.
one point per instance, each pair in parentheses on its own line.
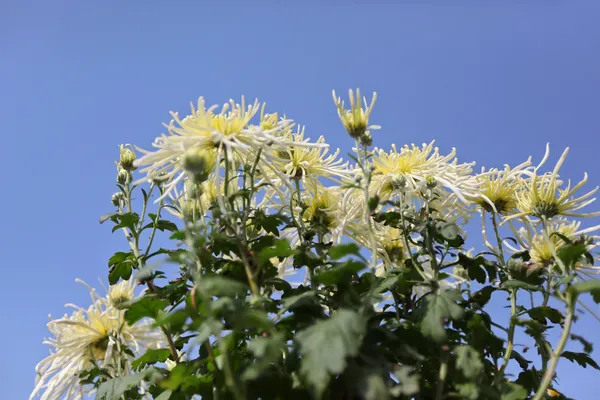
(198,163)
(123,176)
(159,178)
(431,182)
(366,138)
(127,157)
(117,199)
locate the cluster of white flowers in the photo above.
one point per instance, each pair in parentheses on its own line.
(201,161)
(198,146)
(94,336)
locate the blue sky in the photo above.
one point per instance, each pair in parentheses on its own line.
(495,79)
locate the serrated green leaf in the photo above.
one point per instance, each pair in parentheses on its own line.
(108,216)
(468,360)
(151,356)
(166,395)
(588,347)
(513,391)
(120,271)
(582,359)
(439,308)
(408,381)
(335,274)
(342,250)
(114,388)
(215,285)
(542,313)
(146,307)
(327,344)
(448,230)
(514,284)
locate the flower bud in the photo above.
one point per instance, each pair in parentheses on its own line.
(198,163)
(356,119)
(159,178)
(117,199)
(366,138)
(127,157)
(431,182)
(123,176)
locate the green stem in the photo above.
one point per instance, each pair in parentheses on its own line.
(439,393)
(549,374)
(229,379)
(140,260)
(513,305)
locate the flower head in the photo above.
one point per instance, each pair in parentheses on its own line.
(89,337)
(544,197)
(127,157)
(356,119)
(309,162)
(413,168)
(498,188)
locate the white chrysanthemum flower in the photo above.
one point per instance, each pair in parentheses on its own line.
(543,196)
(411,168)
(228,132)
(304,162)
(542,248)
(97,335)
(391,246)
(356,119)
(498,188)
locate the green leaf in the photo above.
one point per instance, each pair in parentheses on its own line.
(523,363)
(162,225)
(146,307)
(468,360)
(280,249)
(448,230)
(335,274)
(477,267)
(342,250)
(572,253)
(215,285)
(408,381)
(108,216)
(542,313)
(440,307)
(166,395)
(592,287)
(179,235)
(265,351)
(126,220)
(114,388)
(587,346)
(151,356)
(513,391)
(327,344)
(483,296)
(514,284)
(469,391)
(120,271)
(291,302)
(582,359)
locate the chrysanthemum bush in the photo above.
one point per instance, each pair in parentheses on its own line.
(285,272)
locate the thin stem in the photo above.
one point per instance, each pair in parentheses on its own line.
(511,333)
(135,248)
(549,374)
(151,240)
(229,379)
(362,156)
(439,393)
(513,305)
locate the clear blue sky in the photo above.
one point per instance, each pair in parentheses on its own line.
(496,81)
